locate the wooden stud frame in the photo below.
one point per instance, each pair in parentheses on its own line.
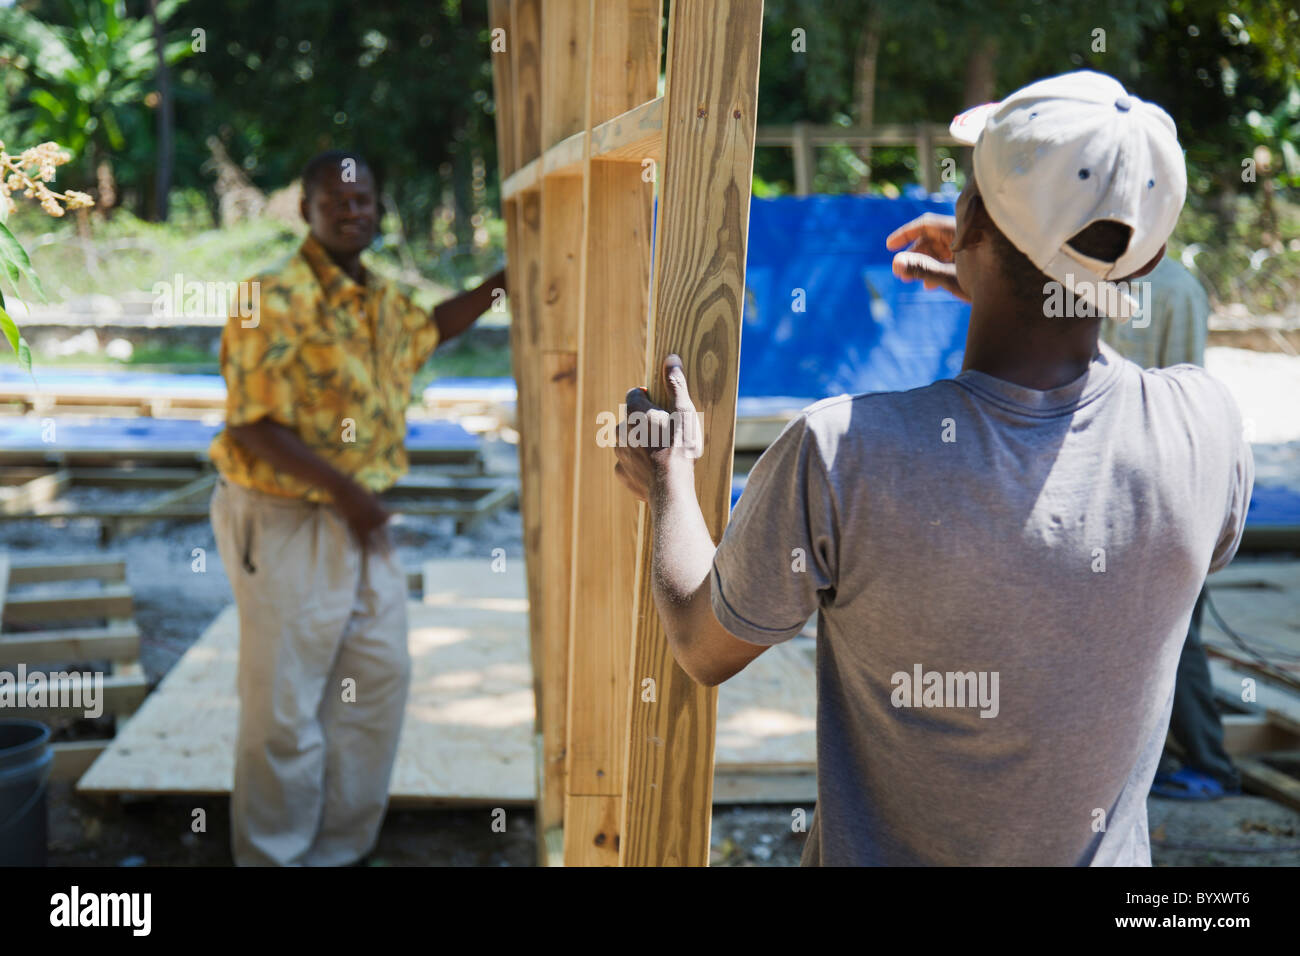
(625,737)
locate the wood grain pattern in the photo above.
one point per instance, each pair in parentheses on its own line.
(467,736)
(698,292)
(522,249)
(631,136)
(503,86)
(520,114)
(625,57)
(565,39)
(526,65)
(562,212)
(591,830)
(605,515)
(615,269)
(555,429)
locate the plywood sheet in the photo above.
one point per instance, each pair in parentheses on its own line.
(467,738)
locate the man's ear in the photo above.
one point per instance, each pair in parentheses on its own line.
(970,229)
(1155,261)
(302,208)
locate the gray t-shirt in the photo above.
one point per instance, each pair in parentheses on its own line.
(1005,579)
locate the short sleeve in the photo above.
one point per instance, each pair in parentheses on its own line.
(257,351)
(424,331)
(1241,483)
(1186,316)
(778,556)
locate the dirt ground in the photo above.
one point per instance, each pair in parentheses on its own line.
(1236,831)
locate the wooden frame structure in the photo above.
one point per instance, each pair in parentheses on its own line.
(625,760)
(64,636)
(29,493)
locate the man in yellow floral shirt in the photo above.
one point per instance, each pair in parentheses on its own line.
(318,380)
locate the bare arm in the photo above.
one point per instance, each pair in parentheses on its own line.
(683,585)
(683,550)
(460,312)
(285,451)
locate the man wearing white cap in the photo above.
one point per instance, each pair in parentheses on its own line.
(1004,562)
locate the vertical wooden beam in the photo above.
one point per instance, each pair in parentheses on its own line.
(805,162)
(565,36)
(612,339)
(519,140)
(503,84)
(525,57)
(4,584)
(927,171)
(711,93)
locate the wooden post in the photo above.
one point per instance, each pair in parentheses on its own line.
(805,161)
(623,74)
(579,121)
(711,93)
(563,66)
(929,172)
(517,87)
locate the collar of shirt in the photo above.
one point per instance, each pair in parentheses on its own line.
(338,287)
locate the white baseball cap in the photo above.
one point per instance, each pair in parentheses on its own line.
(1065,152)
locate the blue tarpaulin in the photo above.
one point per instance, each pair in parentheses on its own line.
(824,313)
(176,435)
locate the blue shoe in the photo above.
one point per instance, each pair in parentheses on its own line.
(1189,784)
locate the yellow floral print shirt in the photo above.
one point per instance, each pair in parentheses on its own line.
(329,358)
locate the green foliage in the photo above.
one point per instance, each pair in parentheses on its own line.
(16,266)
(409,86)
(86,69)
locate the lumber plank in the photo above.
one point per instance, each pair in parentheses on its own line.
(555,429)
(27,570)
(1245,662)
(526,18)
(197,491)
(121,693)
(523,244)
(1253,734)
(710,98)
(1280,706)
(115,642)
(468,736)
(591,836)
(630,137)
(111,600)
(565,37)
(615,266)
(744,786)
(73,758)
(562,220)
(503,84)
(523,217)
(1259,777)
(35,492)
(133,477)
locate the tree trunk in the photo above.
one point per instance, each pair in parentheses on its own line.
(166,121)
(864,79)
(981,69)
(462,201)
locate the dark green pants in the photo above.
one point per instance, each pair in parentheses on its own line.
(1195,722)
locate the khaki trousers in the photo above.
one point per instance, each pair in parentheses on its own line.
(323,676)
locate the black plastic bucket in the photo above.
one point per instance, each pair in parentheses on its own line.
(25,759)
